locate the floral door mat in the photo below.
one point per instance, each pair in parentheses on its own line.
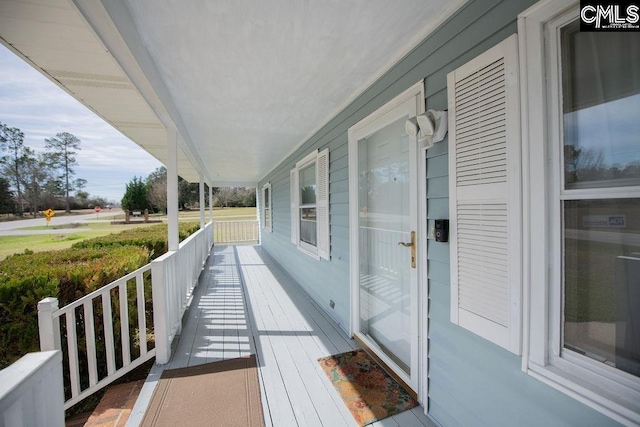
(367,390)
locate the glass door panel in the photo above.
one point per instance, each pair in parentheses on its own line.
(384,221)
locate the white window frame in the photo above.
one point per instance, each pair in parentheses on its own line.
(611,391)
(267,205)
(322,204)
(311,159)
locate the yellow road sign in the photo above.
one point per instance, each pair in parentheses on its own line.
(49,213)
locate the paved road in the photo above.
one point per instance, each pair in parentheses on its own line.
(11,228)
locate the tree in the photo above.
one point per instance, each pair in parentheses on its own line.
(6,197)
(63,145)
(79,184)
(235,196)
(12,141)
(246,197)
(159,174)
(224,196)
(81,196)
(157,189)
(97,201)
(157,195)
(188,193)
(135,195)
(36,176)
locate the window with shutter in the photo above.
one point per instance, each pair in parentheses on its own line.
(310,230)
(484,184)
(266,207)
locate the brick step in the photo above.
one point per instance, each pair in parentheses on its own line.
(114,407)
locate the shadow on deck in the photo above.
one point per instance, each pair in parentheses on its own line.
(246,303)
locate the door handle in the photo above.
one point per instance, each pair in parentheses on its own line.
(411,245)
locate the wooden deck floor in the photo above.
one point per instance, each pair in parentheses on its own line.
(245,303)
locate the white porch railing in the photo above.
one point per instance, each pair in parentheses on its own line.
(173,277)
(84,309)
(31,392)
(236,232)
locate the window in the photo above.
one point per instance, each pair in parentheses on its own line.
(601,230)
(266,207)
(308,212)
(310,204)
(584,198)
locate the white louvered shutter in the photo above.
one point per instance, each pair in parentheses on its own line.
(293,180)
(484,190)
(322,204)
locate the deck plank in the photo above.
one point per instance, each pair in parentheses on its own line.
(267,322)
(275,396)
(298,339)
(246,303)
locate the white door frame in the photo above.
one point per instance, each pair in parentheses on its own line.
(370,124)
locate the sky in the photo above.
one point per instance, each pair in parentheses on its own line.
(609,128)
(108,160)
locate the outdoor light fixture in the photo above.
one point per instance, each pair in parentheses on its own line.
(429,127)
(411,126)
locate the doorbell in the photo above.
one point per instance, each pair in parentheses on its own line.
(442,230)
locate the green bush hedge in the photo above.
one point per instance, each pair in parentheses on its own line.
(154,238)
(68,274)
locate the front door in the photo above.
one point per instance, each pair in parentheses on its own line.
(383,219)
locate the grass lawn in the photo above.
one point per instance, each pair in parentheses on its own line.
(235,214)
(219,214)
(10,245)
(16,244)
(222,214)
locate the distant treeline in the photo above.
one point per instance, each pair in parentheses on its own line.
(31,181)
(151,193)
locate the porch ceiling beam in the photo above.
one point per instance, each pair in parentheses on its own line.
(114,26)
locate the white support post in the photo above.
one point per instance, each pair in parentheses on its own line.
(48,326)
(172,189)
(159,281)
(201,201)
(210,203)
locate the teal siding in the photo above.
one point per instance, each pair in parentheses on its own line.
(472,382)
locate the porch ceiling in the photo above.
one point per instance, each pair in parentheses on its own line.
(245,82)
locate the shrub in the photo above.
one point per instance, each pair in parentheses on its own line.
(68,274)
(154,238)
